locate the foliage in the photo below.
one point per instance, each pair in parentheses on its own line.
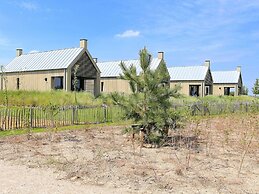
(255,89)
(4,84)
(75,81)
(244,90)
(149,103)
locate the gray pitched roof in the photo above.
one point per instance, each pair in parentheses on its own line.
(112,68)
(188,73)
(48,60)
(220,77)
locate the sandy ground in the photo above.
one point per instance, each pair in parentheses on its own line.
(203,157)
(19,179)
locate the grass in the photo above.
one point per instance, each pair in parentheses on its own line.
(37,98)
(63,98)
(63,128)
(216,99)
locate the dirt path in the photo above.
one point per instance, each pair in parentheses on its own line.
(16,179)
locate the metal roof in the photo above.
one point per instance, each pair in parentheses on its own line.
(188,73)
(224,77)
(48,60)
(112,68)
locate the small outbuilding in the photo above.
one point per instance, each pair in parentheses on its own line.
(111,71)
(227,82)
(52,70)
(193,80)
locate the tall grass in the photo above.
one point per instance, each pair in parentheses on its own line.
(37,98)
(63,98)
(215,99)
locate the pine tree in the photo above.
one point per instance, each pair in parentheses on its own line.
(244,90)
(149,104)
(256,87)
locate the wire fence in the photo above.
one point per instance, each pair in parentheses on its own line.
(217,108)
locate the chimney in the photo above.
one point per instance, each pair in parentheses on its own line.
(95,60)
(238,69)
(207,63)
(18,52)
(160,55)
(83,43)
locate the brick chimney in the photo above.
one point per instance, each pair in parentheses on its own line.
(160,55)
(18,52)
(83,43)
(207,63)
(238,69)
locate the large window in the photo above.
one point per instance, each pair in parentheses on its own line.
(194,90)
(226,91)
(57,82)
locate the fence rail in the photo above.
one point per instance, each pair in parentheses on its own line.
(40,117)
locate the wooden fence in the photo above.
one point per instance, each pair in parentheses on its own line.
(39,117)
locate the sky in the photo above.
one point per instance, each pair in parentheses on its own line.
(188,31)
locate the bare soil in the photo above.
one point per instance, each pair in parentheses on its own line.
(212,155)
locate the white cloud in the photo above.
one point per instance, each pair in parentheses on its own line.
(28,5)
(33,51)
(128,34)
(4,41)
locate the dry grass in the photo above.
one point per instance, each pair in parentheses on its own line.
(214,155)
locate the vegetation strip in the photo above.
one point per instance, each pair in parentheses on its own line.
(63,128)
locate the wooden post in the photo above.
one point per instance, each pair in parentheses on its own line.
(73,115)
(105,112)
(31,117)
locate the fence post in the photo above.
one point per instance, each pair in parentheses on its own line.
(73,115)
(105,112)
(31,117)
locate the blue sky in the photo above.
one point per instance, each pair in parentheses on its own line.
(188,31)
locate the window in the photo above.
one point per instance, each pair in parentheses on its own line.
(194,90)
(18,83)
(57,82)
(102,84)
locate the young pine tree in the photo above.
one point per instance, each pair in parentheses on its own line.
(149,103)
(255,89)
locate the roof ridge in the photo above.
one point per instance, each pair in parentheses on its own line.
(122,60)
(50,51)
(225,71)
(187,66)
